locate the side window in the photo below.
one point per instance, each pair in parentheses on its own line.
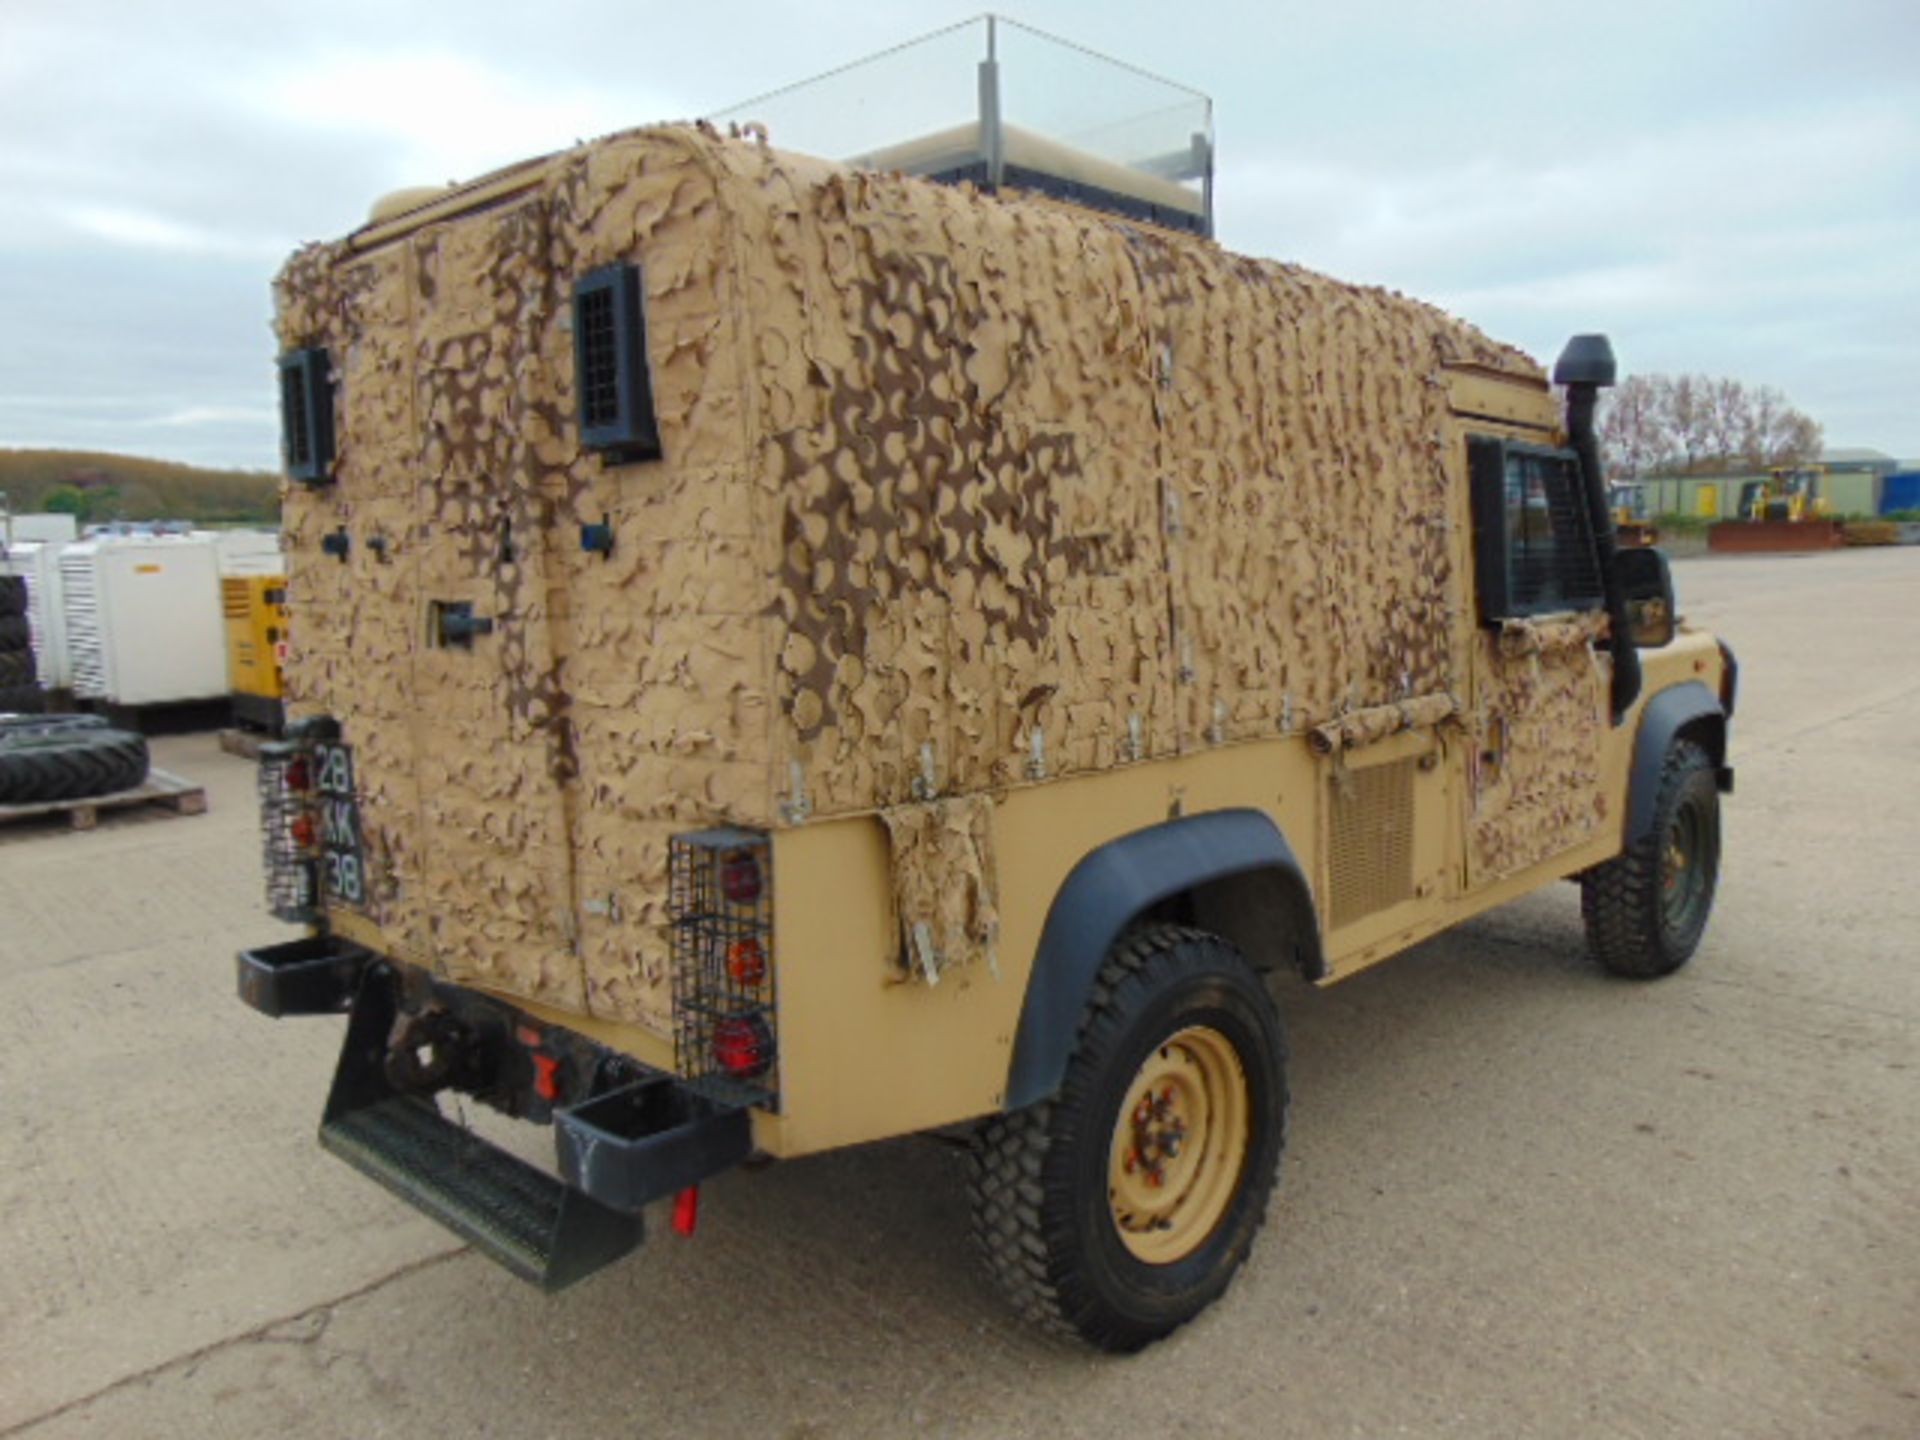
(306,416)
(610,365)
(1533,546)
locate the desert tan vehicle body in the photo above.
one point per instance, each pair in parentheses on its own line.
(983,532)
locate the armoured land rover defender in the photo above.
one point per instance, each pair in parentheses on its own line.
(786,654)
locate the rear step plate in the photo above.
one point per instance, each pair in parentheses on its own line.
(538,1227)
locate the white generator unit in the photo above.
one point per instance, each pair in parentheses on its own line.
(144,624)
(52,528)
(249,552)
(38,562)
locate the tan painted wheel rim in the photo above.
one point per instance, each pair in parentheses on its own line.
(1179,1145)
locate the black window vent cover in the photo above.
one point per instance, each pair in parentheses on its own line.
(1534,548)
(306,415)
(610,365)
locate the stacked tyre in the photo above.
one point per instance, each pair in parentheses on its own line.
(66,757)
(20,692)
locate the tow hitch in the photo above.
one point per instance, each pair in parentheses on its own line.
(625,1136)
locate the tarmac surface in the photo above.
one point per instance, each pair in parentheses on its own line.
(1521,1198)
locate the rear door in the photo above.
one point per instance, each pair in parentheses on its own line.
(491,728)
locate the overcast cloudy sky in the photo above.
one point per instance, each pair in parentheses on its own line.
(1731,186)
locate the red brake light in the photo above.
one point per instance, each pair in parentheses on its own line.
(743,1046)
(740,877)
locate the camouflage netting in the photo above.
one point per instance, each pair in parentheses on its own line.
(1542,714)
(943,883)
(1358,728)
(957,493)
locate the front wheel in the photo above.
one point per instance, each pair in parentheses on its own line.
(1646,910)
(1121,1208)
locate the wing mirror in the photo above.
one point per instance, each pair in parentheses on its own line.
(1646,584)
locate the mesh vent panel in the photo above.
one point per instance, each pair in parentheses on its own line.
(1370,854)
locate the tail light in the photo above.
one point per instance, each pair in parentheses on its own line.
(720,906)
(743,1046)
(747,961)
(740,879)
(287,833)
(289,827)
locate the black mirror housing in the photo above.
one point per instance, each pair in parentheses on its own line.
(1646,585)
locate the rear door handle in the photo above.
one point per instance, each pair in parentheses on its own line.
(456,624)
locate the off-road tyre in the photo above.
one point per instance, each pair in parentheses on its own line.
(1044,1214)
(1646,910)
(15,634)
(22,700)
(13,595)
(69,764)
(16,669)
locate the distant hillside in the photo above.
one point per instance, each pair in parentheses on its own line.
(130,487)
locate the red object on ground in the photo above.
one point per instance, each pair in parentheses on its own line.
(686,1211)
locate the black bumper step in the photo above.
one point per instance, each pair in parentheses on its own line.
(314,975)
(635,1137)
(541,1229)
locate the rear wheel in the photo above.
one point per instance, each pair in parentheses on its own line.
(1646,910)
(1120,1209)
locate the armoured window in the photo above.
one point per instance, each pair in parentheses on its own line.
(306,415)
(610,365)
(1534,548)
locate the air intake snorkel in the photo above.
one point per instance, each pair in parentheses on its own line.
(1585,367)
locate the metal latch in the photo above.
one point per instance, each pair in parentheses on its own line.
(456,624)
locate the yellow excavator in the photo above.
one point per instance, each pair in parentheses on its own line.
(1790,492)
(1631,524)
(1788,510)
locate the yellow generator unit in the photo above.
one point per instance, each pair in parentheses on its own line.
(256,611)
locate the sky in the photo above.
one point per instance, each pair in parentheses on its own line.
(1727,188)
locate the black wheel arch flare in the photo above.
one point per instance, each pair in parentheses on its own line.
(1235,872)
(1688,709)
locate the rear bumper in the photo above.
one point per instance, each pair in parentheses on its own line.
(625,1135)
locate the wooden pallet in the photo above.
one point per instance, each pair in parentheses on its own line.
(244,743)
(183,797)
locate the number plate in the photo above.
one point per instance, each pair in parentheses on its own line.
(342,870)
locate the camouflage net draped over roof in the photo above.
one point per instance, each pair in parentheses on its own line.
(957,492)
(1036,472)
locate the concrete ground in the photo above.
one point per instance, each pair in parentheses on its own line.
(1521,1199)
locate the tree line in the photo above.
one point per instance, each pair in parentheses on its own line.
(1700,424)
(99,486)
